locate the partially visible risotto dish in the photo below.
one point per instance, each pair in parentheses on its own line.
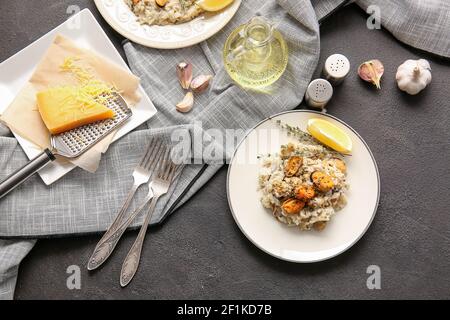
(164,12)
(304,184)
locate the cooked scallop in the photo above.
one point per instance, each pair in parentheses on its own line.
(292,165)
(322,181)
(292,206)
(305,193)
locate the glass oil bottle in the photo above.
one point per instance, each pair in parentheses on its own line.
(255,54)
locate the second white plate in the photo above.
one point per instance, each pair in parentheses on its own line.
(120,18)
(289,243)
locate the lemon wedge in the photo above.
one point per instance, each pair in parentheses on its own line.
(330,135)
(214,5)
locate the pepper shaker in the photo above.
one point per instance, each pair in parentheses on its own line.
(318,93)
(336,68)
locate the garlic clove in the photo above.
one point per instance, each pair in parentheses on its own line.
(371,71)
(200,83)
(187,103)
(184,73)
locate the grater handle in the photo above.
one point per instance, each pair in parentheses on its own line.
(25,172)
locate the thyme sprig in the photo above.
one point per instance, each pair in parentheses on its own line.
(303,136)
(296,132)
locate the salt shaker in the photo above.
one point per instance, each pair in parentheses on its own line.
(318,93)
(336,68)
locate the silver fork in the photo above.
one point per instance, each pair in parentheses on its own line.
(112,240)
(141,175)
(160,185)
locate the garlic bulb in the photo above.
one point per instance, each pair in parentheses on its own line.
(413,76)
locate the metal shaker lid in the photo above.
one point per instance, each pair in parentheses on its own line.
(318,93)
(336,67)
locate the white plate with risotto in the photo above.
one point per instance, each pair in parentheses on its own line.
(297,199)
(178,24)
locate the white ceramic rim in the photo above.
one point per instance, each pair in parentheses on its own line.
(231,11)
(341,250)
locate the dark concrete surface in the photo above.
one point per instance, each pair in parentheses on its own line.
(200,252)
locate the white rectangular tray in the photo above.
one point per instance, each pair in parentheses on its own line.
(15,72)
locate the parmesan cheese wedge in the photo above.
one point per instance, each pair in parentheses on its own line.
(66,108)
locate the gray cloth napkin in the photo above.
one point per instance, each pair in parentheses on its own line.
(84,203)
(11,254)
(422,24)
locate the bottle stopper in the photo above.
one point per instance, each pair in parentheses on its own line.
(318,93)
(336,68)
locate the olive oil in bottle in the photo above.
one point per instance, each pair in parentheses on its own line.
(255,54)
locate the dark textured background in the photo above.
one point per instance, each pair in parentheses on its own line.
(200,252)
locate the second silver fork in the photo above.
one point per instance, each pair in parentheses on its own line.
(165,175)
(141,175)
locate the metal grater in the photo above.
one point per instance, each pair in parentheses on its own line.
(75,142)
(71,144)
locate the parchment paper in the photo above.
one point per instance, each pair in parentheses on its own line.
(23,117)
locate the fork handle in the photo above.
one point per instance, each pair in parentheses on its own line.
(131,262)
(108,242)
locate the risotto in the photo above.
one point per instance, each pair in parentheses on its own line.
(173,12)
(304,184)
